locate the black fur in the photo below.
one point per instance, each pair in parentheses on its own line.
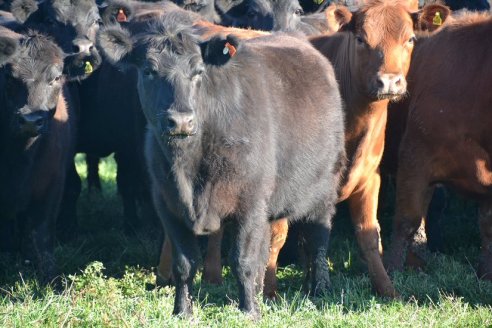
(36,144)
(258,141)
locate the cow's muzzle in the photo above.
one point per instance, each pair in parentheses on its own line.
(33,124)
(179,125)
(390,86)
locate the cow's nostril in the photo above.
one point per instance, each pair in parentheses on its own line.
(171,124)
(76,49)
(91,48)
(380,83)
(398,82)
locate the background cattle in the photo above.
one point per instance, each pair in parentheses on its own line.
(371,56)
(446,139)
(37,129)
(236,133)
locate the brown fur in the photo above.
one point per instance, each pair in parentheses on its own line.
(447,137)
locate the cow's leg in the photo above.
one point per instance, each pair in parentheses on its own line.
(435,214)
(212,266)
(93,180)
(126,180)
(248,250)
(363,209)
(413,195)
(485,219)
(279,229)
(164,270)
(41,218)
(317,236)
(185,260)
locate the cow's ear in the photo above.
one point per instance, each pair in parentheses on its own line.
(116,44)
(431,17)
(22,9)
(337,16)
(218,51)
(8,48)
(116,12)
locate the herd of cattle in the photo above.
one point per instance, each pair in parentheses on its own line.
(254,113)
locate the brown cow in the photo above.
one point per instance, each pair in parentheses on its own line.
(371,56)
(447,135)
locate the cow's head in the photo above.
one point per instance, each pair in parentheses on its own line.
(382,38)
(170,68)
(256,14)
(72,24)
(205,8)
(31,81)
(286,15)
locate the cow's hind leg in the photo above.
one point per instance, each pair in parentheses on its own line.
(413,195)
(212,265)
(279,229)
(93,179)
(363,210)
(485,264)
(317,236)
(248,255)
(164,270)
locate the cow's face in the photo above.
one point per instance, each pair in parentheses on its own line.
(72,24)
(31,81)
(197,6)
(256,14)
(170,71)
(382,41)
(286,15)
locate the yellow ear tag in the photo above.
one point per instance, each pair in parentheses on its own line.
(437,20)
(88,68)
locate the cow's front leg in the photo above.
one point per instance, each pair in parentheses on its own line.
(248,255)
(363,209)
(185,259)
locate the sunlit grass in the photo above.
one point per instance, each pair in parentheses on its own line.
(108,274)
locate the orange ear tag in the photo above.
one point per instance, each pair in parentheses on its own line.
(121,17)
(229,49)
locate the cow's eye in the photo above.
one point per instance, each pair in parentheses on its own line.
(56,80)
(412,40)
(149,72)
(360,40)
(299,12)
(98,22)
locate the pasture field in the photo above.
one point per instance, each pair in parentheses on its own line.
(109,279)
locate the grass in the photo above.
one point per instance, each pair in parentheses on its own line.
(107,277)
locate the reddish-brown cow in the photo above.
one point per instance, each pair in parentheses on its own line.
(371,57)
(447,137)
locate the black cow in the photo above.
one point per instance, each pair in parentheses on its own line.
(256,14)
(288,16)
(246,138)
(72,24)
(206,8)
(476,5)
(36,139)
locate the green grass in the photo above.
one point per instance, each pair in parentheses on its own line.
(108,274)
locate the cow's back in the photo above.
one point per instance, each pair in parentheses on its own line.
(300,97)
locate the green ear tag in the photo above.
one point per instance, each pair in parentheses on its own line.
(88,68)
(437,20)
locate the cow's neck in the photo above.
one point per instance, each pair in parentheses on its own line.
(365,119)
